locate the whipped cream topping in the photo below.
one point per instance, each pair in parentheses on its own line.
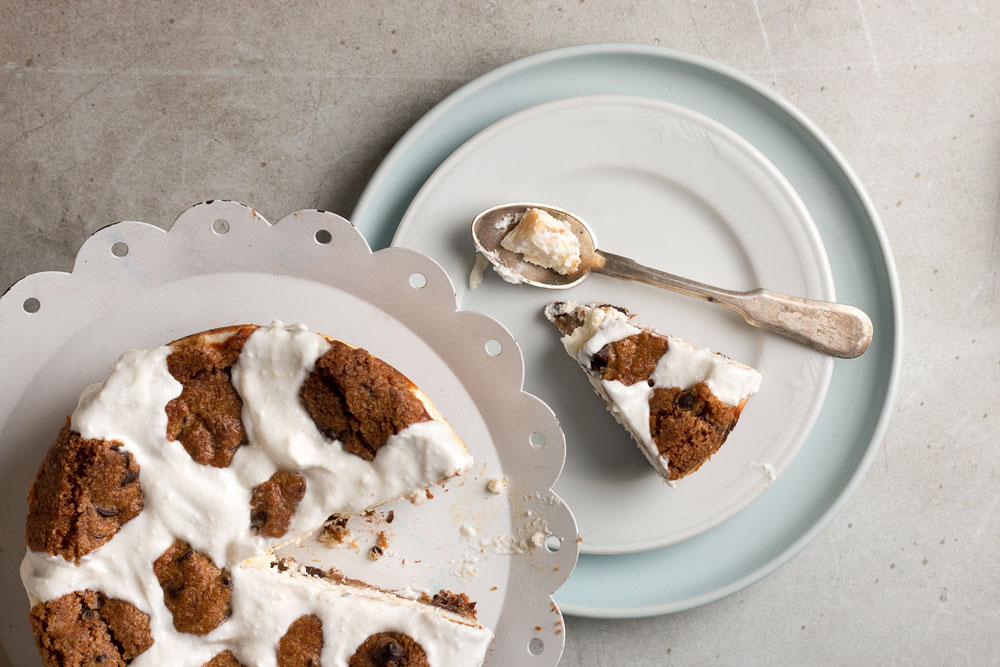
(682,366)
(685,365)
(210,509)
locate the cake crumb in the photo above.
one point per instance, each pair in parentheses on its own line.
(335,531)
(467,530)
(497,485)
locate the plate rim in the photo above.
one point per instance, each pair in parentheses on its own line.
(796,117)
(803,220)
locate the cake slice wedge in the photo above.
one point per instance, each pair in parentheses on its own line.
(679,402)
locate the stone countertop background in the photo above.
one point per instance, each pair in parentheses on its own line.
(112,111)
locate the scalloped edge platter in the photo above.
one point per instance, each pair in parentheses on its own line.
(135,286)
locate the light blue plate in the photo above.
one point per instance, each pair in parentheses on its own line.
(847,433)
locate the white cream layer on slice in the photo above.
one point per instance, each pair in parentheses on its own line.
(210,509)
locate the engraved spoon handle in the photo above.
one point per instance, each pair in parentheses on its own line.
(832,328)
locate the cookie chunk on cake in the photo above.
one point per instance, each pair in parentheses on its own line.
(154,516)
(679,402)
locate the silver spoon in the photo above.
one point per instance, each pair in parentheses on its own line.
(833,328)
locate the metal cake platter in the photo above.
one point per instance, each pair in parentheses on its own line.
(134,285)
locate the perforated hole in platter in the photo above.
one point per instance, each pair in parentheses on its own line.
(119,249)
(537,439)
(553,544)
(493,347)
(323,236)
(220,226)
(418,280)
(31,305)
(536,646)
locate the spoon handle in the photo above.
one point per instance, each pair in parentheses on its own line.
(832,328)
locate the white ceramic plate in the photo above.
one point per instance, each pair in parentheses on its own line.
(311,267)
(674,190)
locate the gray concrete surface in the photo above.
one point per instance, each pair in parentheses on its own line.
(112,111)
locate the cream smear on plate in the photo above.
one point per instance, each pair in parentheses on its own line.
(682,366)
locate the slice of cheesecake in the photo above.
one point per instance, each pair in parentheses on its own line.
(679,402)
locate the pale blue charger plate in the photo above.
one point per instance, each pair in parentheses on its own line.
(847,433)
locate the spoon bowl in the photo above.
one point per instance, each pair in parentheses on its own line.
(490,226)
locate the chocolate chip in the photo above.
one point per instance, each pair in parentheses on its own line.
(130,477)
(184,556)
(315,571)
(258,519)
(601,358)
(87,614)
(376,550)
(685,400)
(107,512)
(389,654)
(100,658)
(226,581)
(650,382)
